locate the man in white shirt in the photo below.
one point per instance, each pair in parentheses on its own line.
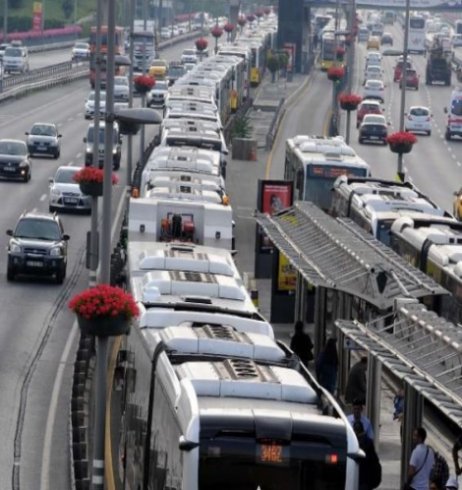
(421,462)
(357,416)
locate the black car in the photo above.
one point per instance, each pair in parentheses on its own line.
(38,246)
(374,132)
(386,38)
(14,160)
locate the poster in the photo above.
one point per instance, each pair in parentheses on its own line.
(37,16)
(287,275)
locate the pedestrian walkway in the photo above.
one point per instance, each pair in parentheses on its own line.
(266,103)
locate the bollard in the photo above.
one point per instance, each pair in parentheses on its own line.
(254,297)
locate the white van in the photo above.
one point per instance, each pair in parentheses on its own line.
(16,59)
(454,112)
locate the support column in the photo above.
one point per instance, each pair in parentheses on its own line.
(373,392)
(300,298)
(319,320)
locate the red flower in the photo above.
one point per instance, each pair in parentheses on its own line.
(335,73)
(349,100)
(229,27)
(401,137)
(340,51)
(267,10)
(144,81)
(242,21)
(103,301)
(217,31)
(92,174)
(259,13)
(251,17)
(201,44)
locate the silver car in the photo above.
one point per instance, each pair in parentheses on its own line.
(121,88)
(156,97)
(44,139)
(65,193)
(90,104)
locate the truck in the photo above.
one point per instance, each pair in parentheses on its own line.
(438,67)
(144,44)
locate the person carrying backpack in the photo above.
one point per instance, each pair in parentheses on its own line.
(440,470)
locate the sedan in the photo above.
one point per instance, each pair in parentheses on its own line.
(81,51)
(14,160)
(373,73)
(412,79)
(44,139)
(65,193)
(373,128)
(156,96)
(90,104)
(121,88)
(367,106)
(386,38)
(374,89)
(418,120)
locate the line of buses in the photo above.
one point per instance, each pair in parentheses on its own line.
(204,397)
(329,173)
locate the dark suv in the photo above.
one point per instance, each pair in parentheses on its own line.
(37,246)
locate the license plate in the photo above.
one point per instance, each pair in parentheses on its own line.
(41,147)
(374,137)
(34,263)
(9,169)
(71,200)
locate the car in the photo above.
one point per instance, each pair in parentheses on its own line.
(80,51)
(374,89)
(15,59)
(456,41)
(377,62)
(189,56)
(90,104)
(156,96)
(44,139)
(399,68)
(373,55)
(176,70)
(373,73)
(64,192)
(116,147)
(14,160)
(165,33)
(367,106)
(363,34)
(121,88)
(386,38)
(373,42)
(3,46)
(373,128)
(412,79)
(418,120)
(158,69)
(37,246)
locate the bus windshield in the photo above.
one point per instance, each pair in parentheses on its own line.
(417,23)
(383,231)
(456,107)
(319,180)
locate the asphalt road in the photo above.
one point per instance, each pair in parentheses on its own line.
(37,339)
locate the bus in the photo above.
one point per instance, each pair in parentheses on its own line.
(374,204)
(144,50)
(119,49)
(328,48)
(313,163)
(417,34)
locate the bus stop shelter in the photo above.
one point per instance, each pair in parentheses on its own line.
(354,276)
(420,350)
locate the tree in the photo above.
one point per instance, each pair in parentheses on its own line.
(242,127)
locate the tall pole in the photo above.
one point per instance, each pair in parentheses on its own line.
(403,86)
(143,95)
(131,16)
(5,21)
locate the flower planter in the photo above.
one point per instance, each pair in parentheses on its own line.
(94,189)
(348,106)
(401,147)
(104,326)
(142,89)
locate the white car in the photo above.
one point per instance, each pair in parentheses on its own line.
(121,88)
(65,193)
(189,56)
(90,104)
(81,51)
(373,73)
(165,33)
(156,96)
(374,89)
(418,120)
(373,55)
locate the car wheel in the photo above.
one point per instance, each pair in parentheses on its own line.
(447,136)
(429,133)
(57,155)
(117,164)
(26,177)
(60,275)
(51,208)
(10,274)
(360,141)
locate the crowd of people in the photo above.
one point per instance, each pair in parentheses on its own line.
(428,469)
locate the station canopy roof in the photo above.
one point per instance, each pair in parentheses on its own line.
(338,254)
(420,348)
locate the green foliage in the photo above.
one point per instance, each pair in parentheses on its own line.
(273,63)
(242,127)
(283,59)
(68,8)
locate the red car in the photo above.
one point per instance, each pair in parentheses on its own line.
(367,106)
(412,79)
(399,69)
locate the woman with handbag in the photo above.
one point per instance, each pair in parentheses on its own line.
(421,462)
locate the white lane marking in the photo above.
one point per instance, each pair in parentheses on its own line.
(70,164)
(34,210)
(43,197)
(78,155)
(47,444)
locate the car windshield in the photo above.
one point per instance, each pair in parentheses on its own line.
(374,119)
(102,96)
(161,63)
(13,148)
(374,84)
(91,132)
(81,46)
(43,130)
(419,111)
(189,52)
(13,52)
(456,107)
(160,85)
(121,81)
(42,229)
(65,176)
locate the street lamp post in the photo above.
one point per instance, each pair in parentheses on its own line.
(5,21)
(403,86)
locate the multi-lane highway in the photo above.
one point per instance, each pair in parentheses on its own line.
(37,339)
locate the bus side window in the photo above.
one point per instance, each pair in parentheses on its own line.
(299,181)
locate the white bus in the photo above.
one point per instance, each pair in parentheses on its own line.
(417,33)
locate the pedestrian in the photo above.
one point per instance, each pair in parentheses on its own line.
(452,483)
(301,343)
(421,462)
(398,412)
(370,469)
(357,416)
(356,384)
(327,366)
(455,454)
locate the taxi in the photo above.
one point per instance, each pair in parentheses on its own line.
(158,69)
(373,42)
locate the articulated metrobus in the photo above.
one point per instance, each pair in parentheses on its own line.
(313,163)
(327,56)
(417,32)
